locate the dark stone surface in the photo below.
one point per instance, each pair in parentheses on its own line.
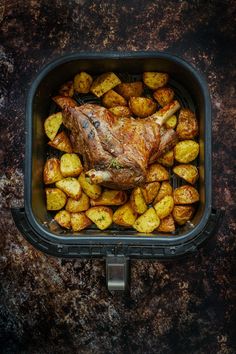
(49,305)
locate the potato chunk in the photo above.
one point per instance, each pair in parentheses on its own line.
(82,82)
(171,122)
(121,111)
(52,125)
(61,142)
(150,191)
(167,159)
(70,186)
(130,89)
(64,102)
(63,219)
(55,198)
(165,189)
(104,83)
(142,107)
(167,224)
(164,207)
(51,171)
(154,80)
(156,172)
(187,127)
(79,221)
(76,206)
(186,195)
(67,89)
(188,172)
(92,190)
(110,197)
(70,165)
(147,222)
(112,99)
(164,95)
(186,151)
(137,201)
(125,215)
(183,213)
(101,216)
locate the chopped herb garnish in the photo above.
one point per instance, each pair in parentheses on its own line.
(115,164)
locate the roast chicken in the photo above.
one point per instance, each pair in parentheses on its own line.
(117,151)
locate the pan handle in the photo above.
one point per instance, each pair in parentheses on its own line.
(117,273)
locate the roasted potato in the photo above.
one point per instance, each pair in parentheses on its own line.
(142,107)
(110,197)
(165,189)
(55,198)
(92,190)
(121,111)
(154,80)
(104,83)
(150,191)
(76,206)
(171,122)
(185,195)
(112,99)
(67,89)
(183,213)
(52,125)
(64,102)
(70,186)
(101,216)
(82,82)
(63,219)
(167,159)
(156,172)
(186,151)
(164,207)
(147,222)
(164,95)
(51,171)
(61,142)
(70,165)
(188,172)
(187,127)
(79,221)
(125,215)
(137,201)
(130,89)
(167,224)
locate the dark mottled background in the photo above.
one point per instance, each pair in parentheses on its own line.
(49,305)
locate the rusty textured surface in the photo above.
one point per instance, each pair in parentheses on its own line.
(49,305)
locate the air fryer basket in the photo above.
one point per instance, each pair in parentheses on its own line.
(116,244)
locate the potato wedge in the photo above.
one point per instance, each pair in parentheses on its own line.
(156,172)
(52,125)
(154,80)
(150,191)
(167,159)
(188,172)
(171,122)
(70,186)
(51,171)
(183,213)
(104,83)
(185,195)
(79,221)
(147,222)
(165,189)
(186,151)
(112,99)
(137,201)
(187,127)
(167,224)
(164,207)
(76,206)
(61,142)
(82,82)
(142,106)
(110,197)
(164,95)
(70,165)
(64,102)
(55,198)
(92,190)
(130,89)
(67,89)
(101,216)
(121,111)
(125,215)
(63,219)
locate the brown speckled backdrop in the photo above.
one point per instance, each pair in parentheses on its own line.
(52,306)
